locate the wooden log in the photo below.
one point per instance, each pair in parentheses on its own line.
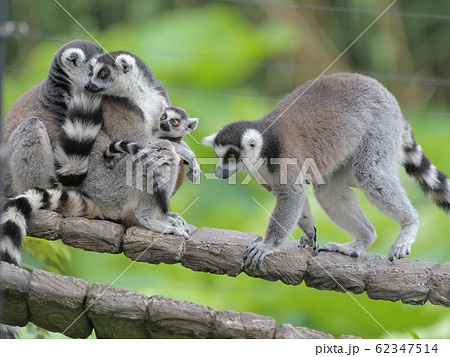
(228,324)
(288,331)
(56,303)
(349,337)
(406,280)
(44,224)
(92,235)
(288,264)
(143,245)
(440,285)
(117,313)
(232,324)
(257,326)
(339,272)
(217,251)
(14,283)
(168,318)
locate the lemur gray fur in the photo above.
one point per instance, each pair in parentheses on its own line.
(174,124)
(124,75)
(353,129)
(112,198)
(41,113)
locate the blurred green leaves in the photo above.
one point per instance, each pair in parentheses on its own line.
(227,62)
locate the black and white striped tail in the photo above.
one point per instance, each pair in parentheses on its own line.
(433,182)
(78,134)
(18,210)
(117,149)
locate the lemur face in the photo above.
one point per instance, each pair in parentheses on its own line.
(77,61)
(113,74)
(235,146)
(174,123)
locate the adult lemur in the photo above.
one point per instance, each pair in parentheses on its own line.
(353,129)
(111,197)
(124,75)
(39,122)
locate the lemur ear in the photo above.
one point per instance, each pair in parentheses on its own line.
(126,62)
(251,138)
(209,140)
(192,123)
(73,56)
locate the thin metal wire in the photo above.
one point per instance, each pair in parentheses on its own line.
(339,9)
(267,64)
(223,94)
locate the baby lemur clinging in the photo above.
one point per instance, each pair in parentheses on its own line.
(353,130)
(173,125)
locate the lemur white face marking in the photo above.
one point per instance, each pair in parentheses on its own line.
(232,158)
(252,143)
(174,123)
(119,80)
(75,65)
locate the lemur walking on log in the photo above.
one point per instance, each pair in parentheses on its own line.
(353,130)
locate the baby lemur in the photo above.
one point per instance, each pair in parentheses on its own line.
(353,130)
(174,124)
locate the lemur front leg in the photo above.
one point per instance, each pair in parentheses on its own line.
(307,225)
(284,217)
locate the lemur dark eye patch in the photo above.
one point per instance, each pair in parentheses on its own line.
(104,72)
(232,154)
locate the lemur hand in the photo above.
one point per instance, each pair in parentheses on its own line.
(255,254)
(194,173)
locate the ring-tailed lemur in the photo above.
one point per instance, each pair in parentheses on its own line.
(174,124)
(353,130)
(41,113)
(124,75)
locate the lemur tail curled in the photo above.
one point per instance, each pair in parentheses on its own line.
(434,183)
(18,210)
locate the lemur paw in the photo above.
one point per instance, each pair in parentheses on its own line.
(178,231)
(306,241)
(255,255)
(349,248)
(399,250)
(194,175)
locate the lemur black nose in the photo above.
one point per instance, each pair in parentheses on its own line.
(86,86)
(164,126)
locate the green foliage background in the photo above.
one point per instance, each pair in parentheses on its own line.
(226,61)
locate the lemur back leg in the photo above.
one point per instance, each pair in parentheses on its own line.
(307,224)
(383,189)
(340,204)
(149,216)
(30,157)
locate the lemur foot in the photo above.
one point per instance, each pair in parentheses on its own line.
(399,250)
(177,221)
(350,248)
(177,231)
(306,241)
(255,255)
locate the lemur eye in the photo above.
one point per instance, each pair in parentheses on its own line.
(175,123)
(103,74)
(231,155)
(163,117)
